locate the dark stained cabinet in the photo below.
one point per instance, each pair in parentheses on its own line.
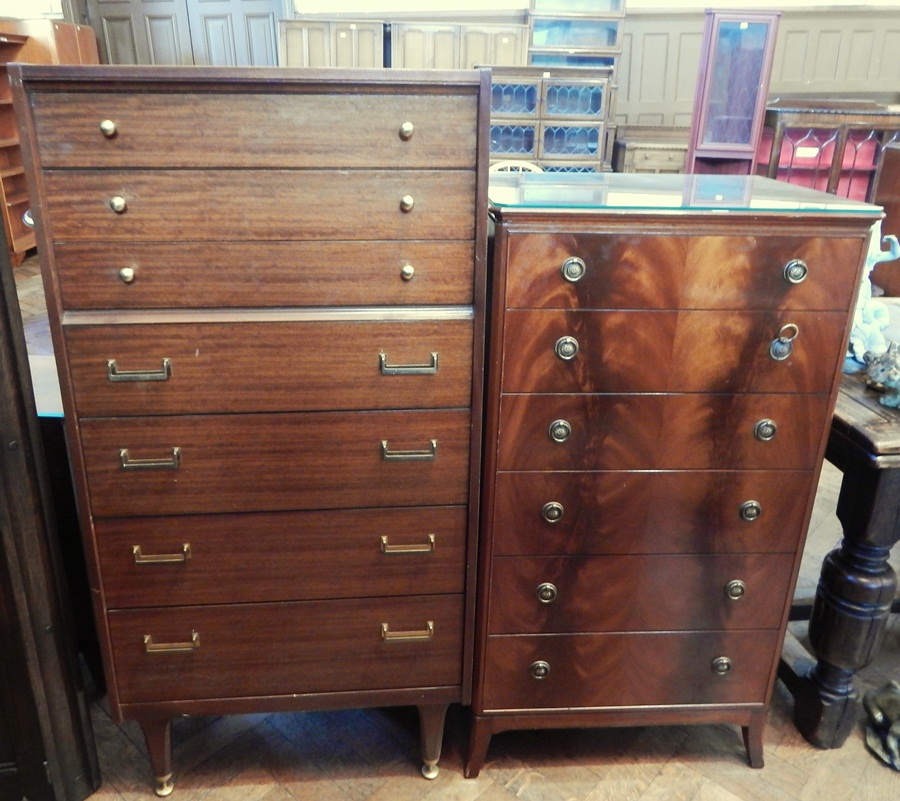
(665,354)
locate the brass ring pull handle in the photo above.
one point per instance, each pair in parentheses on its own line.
(546,592)
(721,665)
(113,373)
(408,456)
(108,128)
(424,547)
(552,511)
(406,131)
(161,558)
(407,203)
(751,510)
(765,430)
(118,204)
(573,269)
(408,636)
(408,369)
(735,590)
(795,271)
(166,463)
(171,647)
(559,430)
(566,348)
(783,344)
(539,670)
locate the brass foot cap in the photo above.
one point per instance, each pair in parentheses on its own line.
(164,786)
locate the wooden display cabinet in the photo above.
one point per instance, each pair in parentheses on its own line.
(13,193)
(575,33)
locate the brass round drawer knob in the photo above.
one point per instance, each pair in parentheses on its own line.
(406,131)
(406,203)
(118,204)
(560,430)
(795,271)
(721,665)
(108,129)
(546,592)
(566,348)
(573,269)
(126,274)
(735,589)
(552,511)
(751,510)
(540,669)
(407,271)
(765,430)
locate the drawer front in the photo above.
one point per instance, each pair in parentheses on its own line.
(287,649)
(271,462)
(189,275)
(206,559)
(287,130)
(247,365)
(721,511)
(543,595)
(623,670)
(669,351)
(681,272)
(660,432)
(255,205)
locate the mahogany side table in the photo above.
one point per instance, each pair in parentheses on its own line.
(857,585)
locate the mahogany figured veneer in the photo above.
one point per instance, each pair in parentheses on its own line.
(266,293)
(665,353)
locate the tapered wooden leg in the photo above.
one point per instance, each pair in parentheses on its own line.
(753,739)
(479,739)
(431,725)
(158,734)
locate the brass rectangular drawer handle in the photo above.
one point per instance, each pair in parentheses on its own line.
(408,369)
(171,647)
(408,636)
(424,547)
(113,373)
(428,455)
(160,558)
(166,463)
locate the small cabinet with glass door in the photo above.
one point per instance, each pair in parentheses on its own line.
(576,33)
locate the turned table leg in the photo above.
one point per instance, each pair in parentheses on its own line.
(158,734)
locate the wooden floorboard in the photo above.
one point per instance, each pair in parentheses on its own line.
(372,755)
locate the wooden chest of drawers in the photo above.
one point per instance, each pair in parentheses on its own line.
(266,290)
(665,355)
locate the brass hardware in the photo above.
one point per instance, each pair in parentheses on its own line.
(566,348)
(166,463)
(750,510)
(721,665)
(735,589)
(408,456)
(171,647)
(406,131)
(408,369)
(573,269)
(408,636)
(108,128)
(425,547)
(407,202)
(164,785)
(118,204)
(765,430)
(161,558)
(546,592)
(559,430)
(552,511)
(795,271)
(540,669)
(113,373)
(782,346)
(407,271)
(127,274)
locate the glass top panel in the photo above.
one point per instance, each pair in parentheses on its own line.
(528,190)
(588,34)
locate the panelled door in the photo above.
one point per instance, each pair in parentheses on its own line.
(216,32)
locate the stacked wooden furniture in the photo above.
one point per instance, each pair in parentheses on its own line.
(265,291)
(667,354)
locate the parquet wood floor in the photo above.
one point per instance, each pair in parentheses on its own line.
(372,755)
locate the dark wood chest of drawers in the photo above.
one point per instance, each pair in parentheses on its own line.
(266,294)
(663,374)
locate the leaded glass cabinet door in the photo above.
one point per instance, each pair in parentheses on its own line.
(732,83)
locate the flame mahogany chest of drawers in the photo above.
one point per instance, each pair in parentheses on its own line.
(266,296)
(665,355)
